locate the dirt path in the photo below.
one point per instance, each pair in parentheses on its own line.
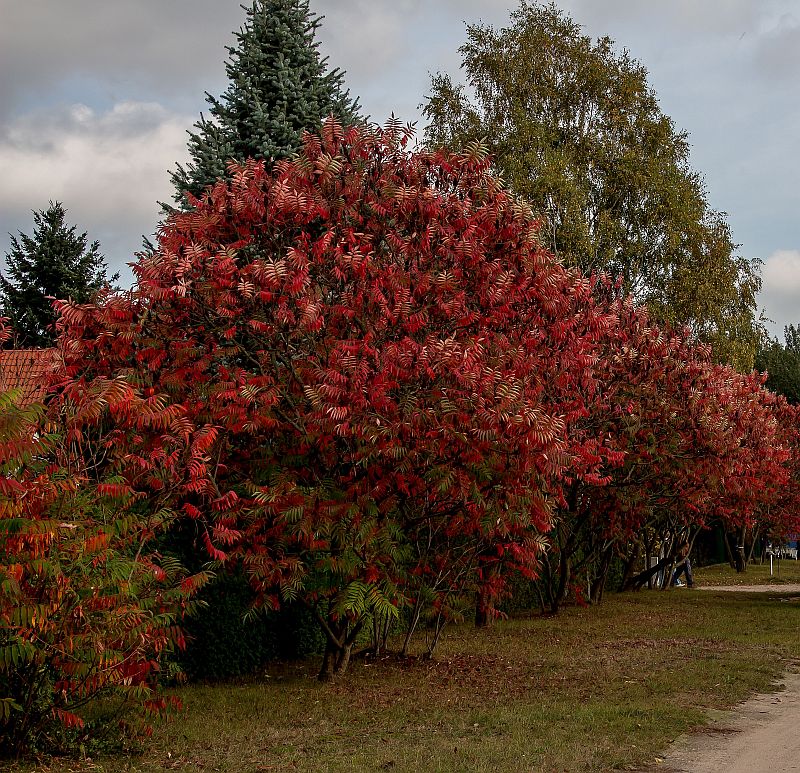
(786,589)
(760,734)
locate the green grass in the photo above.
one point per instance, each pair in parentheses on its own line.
(594,689)
(785,571)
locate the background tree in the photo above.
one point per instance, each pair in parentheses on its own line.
(782,364)
(278,87)
(52,263)
(576,129)
(792,335)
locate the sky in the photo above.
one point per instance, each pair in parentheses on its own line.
(96,98)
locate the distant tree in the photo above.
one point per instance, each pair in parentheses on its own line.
(782,364)
(576,129)
(278,87)
(53,263)
(791,334)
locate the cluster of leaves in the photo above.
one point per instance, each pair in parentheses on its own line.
(86,609)
(694,444)
(365,379)
(358,344)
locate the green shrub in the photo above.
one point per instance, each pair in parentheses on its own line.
(225,642)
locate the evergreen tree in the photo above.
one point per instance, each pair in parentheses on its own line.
(278,87)
(53,263)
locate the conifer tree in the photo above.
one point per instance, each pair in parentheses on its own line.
(278,87)
(52,263)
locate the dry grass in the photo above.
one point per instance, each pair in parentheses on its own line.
(594,689)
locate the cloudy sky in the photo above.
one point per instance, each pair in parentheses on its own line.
(96,97)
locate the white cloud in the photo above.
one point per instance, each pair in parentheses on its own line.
(782,272)
(367,36)
(778,51)
(780,292)
(709,18)
(108,168)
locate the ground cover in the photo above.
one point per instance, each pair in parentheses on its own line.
(784,572)
(593,689)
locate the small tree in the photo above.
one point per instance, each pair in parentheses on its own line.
(791,334)
(54,262)
(86,605)
(279,86)
(782,365)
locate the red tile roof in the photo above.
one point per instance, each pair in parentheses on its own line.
(28,370)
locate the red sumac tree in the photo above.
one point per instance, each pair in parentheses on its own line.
(362,345)
(86,605)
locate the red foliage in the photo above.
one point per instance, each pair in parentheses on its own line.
(361,374)
(85,607)
(344,359)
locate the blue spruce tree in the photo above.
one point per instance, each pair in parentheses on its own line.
(278,87)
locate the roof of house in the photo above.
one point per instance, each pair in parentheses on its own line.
(28,370)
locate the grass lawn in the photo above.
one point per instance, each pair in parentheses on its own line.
(785,571)
(594,689)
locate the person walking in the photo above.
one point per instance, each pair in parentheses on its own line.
(683,566)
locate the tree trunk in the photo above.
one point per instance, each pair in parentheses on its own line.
(636,582)
(728,549)
(412,625)
(547,584)
(440,624)
(753,544)
(564,574)
(630,563)
(326,673)
(340,636)
(599,582)
(741,559)
(342,660)
(481,612)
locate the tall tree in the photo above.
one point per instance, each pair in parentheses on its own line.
(278,87)
(365,341)
(54,262)
(576,129)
